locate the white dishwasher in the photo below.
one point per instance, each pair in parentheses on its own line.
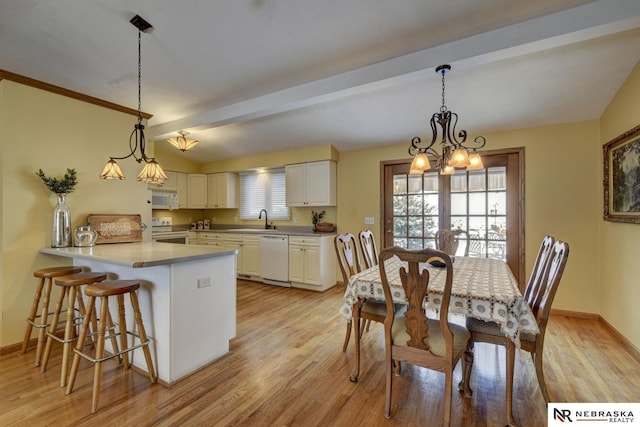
(274,260)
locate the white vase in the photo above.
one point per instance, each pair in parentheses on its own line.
(61,232)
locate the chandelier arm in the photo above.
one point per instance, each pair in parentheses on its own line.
(479,142)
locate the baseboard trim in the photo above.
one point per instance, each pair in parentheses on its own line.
(628,345)
(13,348)
(624,341)
(576,314)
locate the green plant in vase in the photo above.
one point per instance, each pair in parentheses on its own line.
(316,217)
(61,232)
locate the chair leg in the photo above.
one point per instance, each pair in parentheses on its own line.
(32,315)
(112,336)
(143,336)
(347,336)
(81,338)
(123,331)
(67,335)
(52,330)
(389,382)
(448,388)
(467,365)
(43,319)
(356,327)
(540,374)
(97,372)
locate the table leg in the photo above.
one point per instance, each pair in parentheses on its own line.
(510,357)
(356,328)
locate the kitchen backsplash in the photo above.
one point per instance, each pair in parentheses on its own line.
(232,216)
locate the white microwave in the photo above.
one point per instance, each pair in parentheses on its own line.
(164,200)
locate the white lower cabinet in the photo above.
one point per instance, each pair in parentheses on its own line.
(234,241)
(312,259)
(251,258)
(312,262)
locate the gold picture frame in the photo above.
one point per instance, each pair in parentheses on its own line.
(621,178)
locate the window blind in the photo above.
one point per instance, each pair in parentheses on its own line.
(263,190)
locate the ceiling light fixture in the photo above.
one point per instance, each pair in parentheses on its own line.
(454,153)
(181,142)
(152,171)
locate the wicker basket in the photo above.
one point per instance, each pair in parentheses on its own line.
(325,227)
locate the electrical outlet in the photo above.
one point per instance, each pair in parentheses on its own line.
(368,220)
(213,219)
(235,219)
(204,282)
(296,220)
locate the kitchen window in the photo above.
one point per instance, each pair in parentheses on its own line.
(263,190)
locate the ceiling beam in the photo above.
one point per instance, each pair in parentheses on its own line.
(592,20)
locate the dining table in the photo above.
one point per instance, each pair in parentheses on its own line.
(482,288)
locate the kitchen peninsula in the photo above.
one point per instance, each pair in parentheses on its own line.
(187,298)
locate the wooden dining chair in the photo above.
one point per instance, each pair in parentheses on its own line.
(349,263)
(369,309)
(541,289)
(368,248)
(413,338)
(449,241)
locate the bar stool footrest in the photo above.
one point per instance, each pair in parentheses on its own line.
(111,356)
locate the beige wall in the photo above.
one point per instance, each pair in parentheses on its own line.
(43,130)
(52,132)
(620,243)
(560,198)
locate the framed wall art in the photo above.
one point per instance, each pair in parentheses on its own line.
(621,166)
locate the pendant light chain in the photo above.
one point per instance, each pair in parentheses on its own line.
(444,107)
(140,78)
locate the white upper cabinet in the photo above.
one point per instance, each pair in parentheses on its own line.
(222,190)
(171,184)
(311,184)
(183,190)
(197,191)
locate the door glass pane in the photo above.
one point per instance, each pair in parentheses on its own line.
(459,204)
(477,180)
(497,178)
(477,203)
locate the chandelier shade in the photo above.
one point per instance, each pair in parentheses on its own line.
(454,148)
(183,143)
(152,172)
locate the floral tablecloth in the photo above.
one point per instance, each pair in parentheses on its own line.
(482,288)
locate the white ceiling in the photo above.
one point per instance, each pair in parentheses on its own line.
(251,76)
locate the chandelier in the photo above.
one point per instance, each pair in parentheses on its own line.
(152,171)
(455,152)
(181,142)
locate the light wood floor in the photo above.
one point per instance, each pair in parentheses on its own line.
(286,367)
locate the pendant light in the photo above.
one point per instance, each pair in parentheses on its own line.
(454,153)
(152,171)
(181,142)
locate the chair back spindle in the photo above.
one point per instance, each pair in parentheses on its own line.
(368,248)
(347,253)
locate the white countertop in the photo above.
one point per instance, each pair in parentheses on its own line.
(141,254)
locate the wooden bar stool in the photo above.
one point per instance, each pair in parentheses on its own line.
(69,285)
(45,275)
(104,290)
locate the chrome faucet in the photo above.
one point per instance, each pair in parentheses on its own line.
(266,225)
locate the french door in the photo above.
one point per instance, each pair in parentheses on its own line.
(488,204)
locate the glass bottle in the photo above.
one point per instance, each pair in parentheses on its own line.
(61,233)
